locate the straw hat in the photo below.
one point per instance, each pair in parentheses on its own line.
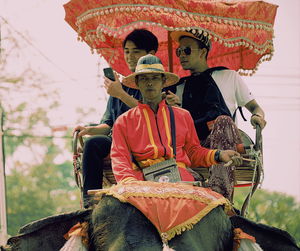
(150,64)
(200,35)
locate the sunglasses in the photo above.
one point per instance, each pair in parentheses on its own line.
(187,51)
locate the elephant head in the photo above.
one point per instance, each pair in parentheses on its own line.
(118,226)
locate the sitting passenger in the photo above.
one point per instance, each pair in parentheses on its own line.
(203,93)
(138,43)
(142,135)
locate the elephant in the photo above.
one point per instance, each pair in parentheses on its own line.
(45,234)
(126,228)
(118,226)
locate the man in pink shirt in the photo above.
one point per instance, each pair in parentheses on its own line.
(142,135)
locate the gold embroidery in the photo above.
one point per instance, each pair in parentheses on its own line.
(150,134)
(167,127)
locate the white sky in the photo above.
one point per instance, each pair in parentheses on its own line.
(73,70)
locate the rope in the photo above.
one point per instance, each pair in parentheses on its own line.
(253,186)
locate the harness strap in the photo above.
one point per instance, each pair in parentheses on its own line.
(241,112)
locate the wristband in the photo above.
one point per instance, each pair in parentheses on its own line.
(217,156)
(256,114)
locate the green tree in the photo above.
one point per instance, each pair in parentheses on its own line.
(34,192)
(272,208)
(36,186)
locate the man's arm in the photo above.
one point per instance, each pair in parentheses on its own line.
(114,89)
(104,126)
(121,155)
(244,97)
(102,129)
(258,115)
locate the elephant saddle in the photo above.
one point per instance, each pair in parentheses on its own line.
(171,207)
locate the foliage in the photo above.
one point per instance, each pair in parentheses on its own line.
(23,96)
(34,192)
(272,208)
(37,184)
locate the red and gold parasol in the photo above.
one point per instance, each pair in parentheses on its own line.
(241,31)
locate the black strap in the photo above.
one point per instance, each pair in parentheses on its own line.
(134,160)
(173,130)
(241,112)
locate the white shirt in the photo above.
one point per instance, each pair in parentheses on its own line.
(234,90)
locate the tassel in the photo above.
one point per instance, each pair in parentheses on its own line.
(74,244)
(248,245)
(164,238)
(167,248)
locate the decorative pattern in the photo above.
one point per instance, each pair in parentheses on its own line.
(171,207)
(241,32)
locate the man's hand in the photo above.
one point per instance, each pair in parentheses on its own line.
(231,156)
(172,99)
(101,129)
(113,88)
(257,119)
(258,114)
(82,130)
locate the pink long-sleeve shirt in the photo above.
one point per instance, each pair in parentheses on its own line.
(145,135)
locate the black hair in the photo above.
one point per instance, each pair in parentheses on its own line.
(143,39)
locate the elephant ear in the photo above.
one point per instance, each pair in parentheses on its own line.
(47,234)
(268,237)
(60,219)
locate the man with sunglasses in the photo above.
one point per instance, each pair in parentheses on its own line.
(211,95)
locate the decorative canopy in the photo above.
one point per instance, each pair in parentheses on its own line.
(241,31)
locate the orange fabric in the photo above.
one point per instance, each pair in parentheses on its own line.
(79,229)
(149,162)
(210,124)
(172,208)
(241,31)
(240,148)
(143,134)
(238,235)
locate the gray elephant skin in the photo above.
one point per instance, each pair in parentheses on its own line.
(117,226)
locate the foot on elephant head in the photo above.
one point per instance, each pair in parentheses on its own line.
(89,201)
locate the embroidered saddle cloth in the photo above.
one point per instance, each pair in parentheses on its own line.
(171,207)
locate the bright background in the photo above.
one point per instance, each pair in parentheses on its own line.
(77,74)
